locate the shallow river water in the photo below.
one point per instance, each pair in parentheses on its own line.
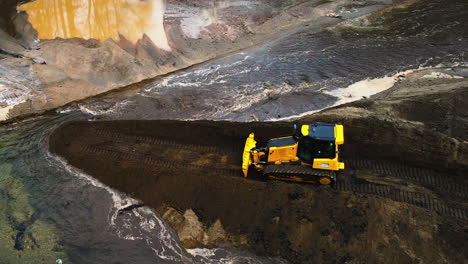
(305,70)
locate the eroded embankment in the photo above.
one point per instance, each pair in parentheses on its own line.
(405,182)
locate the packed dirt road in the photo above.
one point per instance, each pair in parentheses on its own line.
(196,165)
(135,151)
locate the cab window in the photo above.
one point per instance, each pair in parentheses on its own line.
(310,149)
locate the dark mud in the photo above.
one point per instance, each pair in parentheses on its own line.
(404,183)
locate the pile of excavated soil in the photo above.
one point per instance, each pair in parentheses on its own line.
(402,198)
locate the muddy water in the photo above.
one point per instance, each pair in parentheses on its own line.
(101,19)
(301,70)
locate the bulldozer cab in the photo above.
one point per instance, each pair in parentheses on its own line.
(310,149)
(317,141)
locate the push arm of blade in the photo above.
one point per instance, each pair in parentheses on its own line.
(255,155)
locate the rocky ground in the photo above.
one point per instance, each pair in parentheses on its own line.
(402,198)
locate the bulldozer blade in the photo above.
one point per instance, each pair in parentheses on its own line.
(250,143)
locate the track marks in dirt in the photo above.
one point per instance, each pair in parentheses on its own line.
(415,198)
(438,182)
(437,186)
(185,157)
(156,163)
(156,142)
(150,155)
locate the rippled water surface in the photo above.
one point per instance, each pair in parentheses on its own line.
(299,71)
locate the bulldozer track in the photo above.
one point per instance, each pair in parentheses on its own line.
(297,170)
(306,173)
(435,181)
(154,141)
(171,165)
(394,193)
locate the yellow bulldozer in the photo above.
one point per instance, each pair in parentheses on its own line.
(309,155)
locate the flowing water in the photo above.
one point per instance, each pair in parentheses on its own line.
(302,71)
(45,201)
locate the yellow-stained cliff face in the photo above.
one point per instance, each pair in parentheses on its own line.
(99,19)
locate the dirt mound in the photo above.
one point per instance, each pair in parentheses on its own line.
(402,198)
(196,166)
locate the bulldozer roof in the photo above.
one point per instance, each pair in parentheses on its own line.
(319,131)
